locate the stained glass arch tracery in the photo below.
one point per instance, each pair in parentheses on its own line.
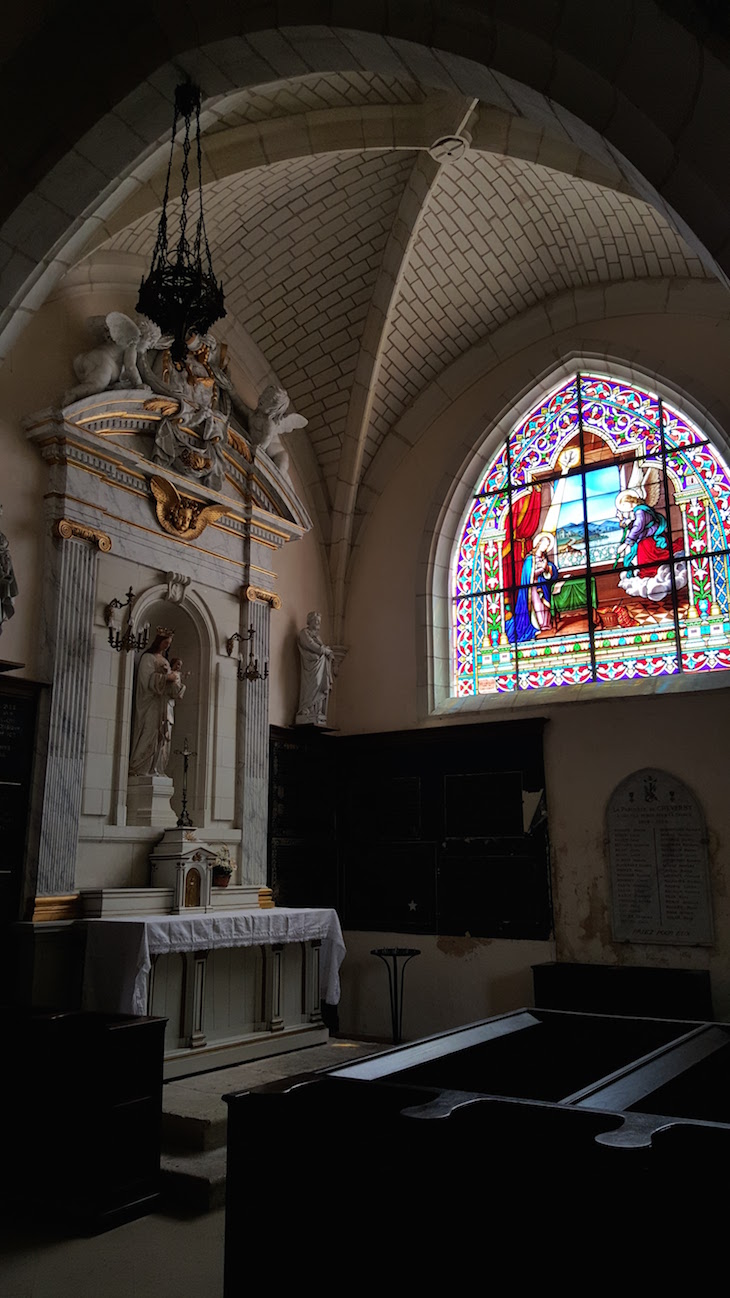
(596,547)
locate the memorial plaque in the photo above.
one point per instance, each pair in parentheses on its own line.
(657,843)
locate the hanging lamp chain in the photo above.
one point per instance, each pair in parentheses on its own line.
(180,294)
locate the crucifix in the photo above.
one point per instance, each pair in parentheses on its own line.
(183,820)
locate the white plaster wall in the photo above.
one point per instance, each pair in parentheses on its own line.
(589,746)
(33,378)
(452,981)
(303,585)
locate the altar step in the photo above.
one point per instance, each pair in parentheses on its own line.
(194,1118)
(195,1182)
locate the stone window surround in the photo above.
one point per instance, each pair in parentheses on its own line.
(433,602)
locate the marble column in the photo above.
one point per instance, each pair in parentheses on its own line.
(68,615)
(252,770)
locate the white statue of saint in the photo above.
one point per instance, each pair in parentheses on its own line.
(319,664)
(159,685)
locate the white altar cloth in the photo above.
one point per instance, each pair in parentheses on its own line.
(119,951)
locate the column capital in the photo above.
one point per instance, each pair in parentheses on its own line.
(257,594)
(65,529)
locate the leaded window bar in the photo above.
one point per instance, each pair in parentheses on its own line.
(595,548)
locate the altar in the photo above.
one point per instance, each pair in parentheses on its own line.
(234,985)
(150,837)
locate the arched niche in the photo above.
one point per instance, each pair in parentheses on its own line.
(195,642)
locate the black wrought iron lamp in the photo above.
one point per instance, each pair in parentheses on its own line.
(124,639)
(251,671)
(181,293)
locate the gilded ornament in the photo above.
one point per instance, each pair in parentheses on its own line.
(194,460)
(65,529)
(254,593)
(165,406)
(182,516)
(240,444)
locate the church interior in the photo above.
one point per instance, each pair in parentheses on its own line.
(388,605)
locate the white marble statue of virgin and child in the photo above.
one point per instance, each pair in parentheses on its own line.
(159,685)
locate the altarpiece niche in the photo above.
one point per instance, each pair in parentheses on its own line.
(164,483)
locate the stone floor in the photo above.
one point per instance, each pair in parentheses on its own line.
(194,1118)
(174,1253)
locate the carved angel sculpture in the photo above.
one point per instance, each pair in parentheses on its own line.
(185,517)
(114,361)
(643,553)
(269,421)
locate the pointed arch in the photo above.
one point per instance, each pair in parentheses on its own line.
(587,543)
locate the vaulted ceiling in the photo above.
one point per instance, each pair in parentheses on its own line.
(369,231)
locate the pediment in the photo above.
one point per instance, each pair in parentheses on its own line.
(118,432)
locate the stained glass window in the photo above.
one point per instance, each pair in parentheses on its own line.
(595,547)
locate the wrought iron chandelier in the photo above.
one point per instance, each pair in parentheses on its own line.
(181,293)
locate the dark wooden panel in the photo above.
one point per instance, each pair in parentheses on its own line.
(494,896)
(501,1089)
(434,831)
(386,808)
(18,721)
(303,873)
(623,989)
(483,804)
(299,790)
(391,888)
(93,1084)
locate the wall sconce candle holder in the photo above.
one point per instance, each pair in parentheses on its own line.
(124,639)
(251,671)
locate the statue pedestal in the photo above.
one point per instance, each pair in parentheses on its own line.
(148,801)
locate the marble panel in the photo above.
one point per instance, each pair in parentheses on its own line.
(67,617)
(92,803)
(252,775)
(97,734)
(98,772)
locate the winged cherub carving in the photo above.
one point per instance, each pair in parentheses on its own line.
(121,343)
(182,516)
(267,423)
